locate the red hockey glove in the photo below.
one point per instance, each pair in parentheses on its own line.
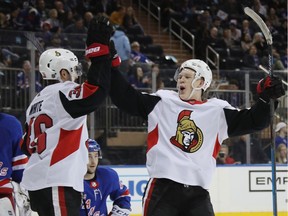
(270,88)
(116,61)
(98,37)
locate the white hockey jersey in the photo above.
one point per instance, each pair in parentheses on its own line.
(56,140)
(181,134)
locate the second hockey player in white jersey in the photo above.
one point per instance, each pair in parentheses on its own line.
(56,128)
(185,132)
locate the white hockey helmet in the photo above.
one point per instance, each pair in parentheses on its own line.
(52,61)
(201,69)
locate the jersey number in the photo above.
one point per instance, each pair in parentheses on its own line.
(37,126)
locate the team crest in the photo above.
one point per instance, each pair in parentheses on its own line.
(57,53)
(189,137)
(93,184)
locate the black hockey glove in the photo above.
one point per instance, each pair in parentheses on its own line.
(98,37)
(270,88)
(116,61)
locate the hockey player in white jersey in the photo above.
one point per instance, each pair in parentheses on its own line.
(185,132)
(56,128)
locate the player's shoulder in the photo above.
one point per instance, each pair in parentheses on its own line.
(106,171)
(166,93)
(9,120)
(218,102)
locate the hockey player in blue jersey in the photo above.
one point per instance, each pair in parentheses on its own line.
(101,182)
(12,160)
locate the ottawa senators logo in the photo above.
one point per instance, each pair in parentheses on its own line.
(189,138)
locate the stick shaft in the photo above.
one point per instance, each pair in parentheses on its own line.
(273,161)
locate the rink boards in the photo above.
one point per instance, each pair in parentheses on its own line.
(235,190)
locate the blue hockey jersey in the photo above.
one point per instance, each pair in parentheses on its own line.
(12,160)
(96,191)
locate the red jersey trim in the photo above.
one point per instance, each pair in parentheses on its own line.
(217,146)
(152,138)
(89,89)
(69,142)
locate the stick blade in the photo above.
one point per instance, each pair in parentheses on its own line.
(253,15)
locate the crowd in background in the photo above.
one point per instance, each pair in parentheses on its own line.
(220,24)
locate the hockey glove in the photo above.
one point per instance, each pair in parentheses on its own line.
(98,37)
(270,88)
(117,211)
(116,61)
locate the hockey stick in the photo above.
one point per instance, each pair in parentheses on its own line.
(30,36)
(268,36)
(267,72)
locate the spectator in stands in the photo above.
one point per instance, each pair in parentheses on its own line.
(259,8)
(246,42)
(88,16)
(281,154)
(137,56)
(257,155)
(137,78)
(224,156)
(117,16)
(46,34)
(3,21)
(9,58)
(159,82)
(217,22)
(131,24)
(260,43)
(123,47)
(42,10)
(272,16)
(28,19)
(23,87)
(252,59)
(281,134)
(53,19)
(77,27)
(68,19)
(24,78)
(59,6)
(235,32)
(227,37)
(277,63)
(246,28)
(12,18)
(282,30)
(169,8)
(213,40)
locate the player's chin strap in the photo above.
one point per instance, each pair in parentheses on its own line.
(117,211)
(193,89)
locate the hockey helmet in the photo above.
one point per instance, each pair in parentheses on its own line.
(52,61)
(93,146)
(201,69)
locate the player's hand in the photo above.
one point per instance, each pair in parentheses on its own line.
(98,37)
(270,88)
(99,31)
(116,61)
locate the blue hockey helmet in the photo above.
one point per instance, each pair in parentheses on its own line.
(93,146)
